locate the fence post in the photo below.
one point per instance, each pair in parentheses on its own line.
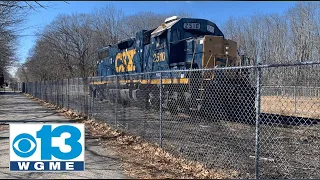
(85,98)
(68,93)
(295,100)
(116,106)
(58,91)
(63,94)
(78,96)
(92,97)
(61,98)
(55,92)
(160,105)
(257,132)
(40,95)
(46,86)
(52,92)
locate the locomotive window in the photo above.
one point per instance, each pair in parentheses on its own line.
(161,41)
(103,54)
(158,42)
(174,36)
(146,37)
(126,44)
(177,35)
(123,45)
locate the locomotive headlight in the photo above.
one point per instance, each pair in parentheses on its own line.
(227,48)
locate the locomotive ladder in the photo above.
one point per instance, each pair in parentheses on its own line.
(197,87)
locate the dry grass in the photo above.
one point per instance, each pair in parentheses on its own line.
(4,127)
(68,113)
(142,159)
(146,160)
(302,106)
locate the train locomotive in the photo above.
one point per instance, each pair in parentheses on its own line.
(181,49)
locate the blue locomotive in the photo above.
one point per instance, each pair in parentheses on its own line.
(177,44)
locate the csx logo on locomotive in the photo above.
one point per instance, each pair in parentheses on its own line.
(124,61)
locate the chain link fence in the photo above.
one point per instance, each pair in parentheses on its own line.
(11,87)
(262,121)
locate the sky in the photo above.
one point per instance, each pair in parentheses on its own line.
(218,11)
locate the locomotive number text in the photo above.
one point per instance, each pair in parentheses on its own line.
(191,25)
(158,57)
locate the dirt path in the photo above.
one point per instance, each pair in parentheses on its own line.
(16,108)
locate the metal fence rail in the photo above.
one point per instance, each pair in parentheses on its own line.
(261,121)
(292,91)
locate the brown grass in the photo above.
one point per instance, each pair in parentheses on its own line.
(302,106)
(4,127)
(146,160)
(142,159)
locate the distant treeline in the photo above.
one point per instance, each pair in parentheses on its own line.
(12,16)
(67,47)
(291,37)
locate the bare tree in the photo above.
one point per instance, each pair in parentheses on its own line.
(107,25)
(72,38)
(12,14)
(303,24)
(146,21)
(70,42)
(11,17)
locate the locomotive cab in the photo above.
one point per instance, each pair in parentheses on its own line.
(178,43)
(102,64)
(193,43)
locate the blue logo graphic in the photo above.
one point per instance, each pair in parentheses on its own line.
(24,145)
(49,147)
(45,134)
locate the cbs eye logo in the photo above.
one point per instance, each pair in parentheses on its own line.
(24,145)
(48,147)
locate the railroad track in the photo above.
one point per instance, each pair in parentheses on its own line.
(267,118)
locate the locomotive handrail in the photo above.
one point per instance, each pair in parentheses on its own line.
(180,40)
(219,68)
(225,68)
(290,86)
